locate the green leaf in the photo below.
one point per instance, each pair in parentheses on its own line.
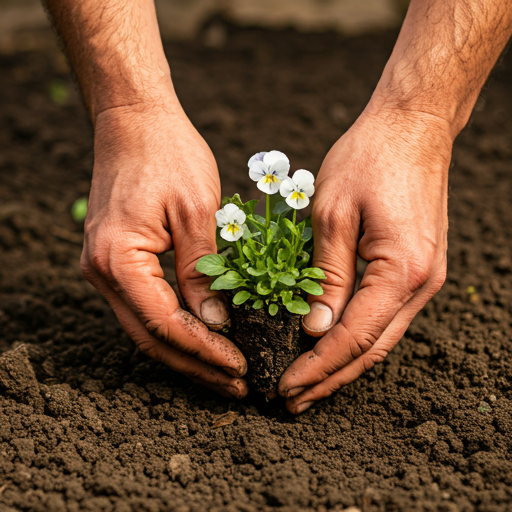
(287,279)
(263,288)
(272,231)
(286,296)
(248,253)
(283,255)
(310,287)
(258,304)
(259,219)
(241,297)
(295,273)
(260,265)
(270,263)
(228,281)
(304,259)
(256,272)
(313,272)
(288,245)
(272,309)
(236,199)
(273,281)
(212,265)
(298,307)
(307,235)
(289,224)
(281,208)
(249,206)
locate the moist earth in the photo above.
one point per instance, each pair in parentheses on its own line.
(89,423)
(270,344)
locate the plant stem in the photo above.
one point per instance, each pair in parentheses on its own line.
(294,217)
(240,251)
(268,211)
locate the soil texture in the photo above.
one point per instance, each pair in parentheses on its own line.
(269,343)
(88,423)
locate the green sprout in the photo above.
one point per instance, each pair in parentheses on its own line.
(79,210)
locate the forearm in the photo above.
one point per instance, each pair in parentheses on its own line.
(115,50)
(443,55)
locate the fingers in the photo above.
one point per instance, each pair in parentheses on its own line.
(200,372)
(137,278)
(366,361)
(336,231)
(194,237)
(373,322)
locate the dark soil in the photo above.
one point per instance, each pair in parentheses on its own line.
(269,343)
(88,423)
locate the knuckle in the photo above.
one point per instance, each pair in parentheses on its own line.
(438,279)
(416,269)
(374,357)
(150,349)
(361,343)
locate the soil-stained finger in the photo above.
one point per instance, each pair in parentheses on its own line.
(137,279)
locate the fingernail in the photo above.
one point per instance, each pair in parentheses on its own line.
(214,312)
(234,372)
(319,319)
(303,406)
(234,392)
(295,391)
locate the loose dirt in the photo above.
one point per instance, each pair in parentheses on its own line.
(87,422)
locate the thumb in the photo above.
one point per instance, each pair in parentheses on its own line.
(336,232)
(193,238)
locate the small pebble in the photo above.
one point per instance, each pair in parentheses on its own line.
(492,398)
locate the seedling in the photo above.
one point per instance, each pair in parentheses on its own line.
(264,260)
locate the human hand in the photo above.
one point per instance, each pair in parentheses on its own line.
(382,193)
(155,187)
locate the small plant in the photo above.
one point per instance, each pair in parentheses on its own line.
(264,260)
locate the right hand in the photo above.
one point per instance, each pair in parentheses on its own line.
(156,187)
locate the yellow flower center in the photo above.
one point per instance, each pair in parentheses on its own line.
(270,178)
(233,228)
(297,195)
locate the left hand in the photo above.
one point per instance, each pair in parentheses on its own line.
(381,193)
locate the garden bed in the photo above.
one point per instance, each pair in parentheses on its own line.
(89,423)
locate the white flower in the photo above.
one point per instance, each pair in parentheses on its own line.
(269,170)
(298,189)
(231,219)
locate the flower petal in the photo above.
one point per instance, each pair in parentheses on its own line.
(257,170)
(280,168)
(274,156)
(230,210)
(221,217)
(239,217)
(229,235)
(258,157)
(297,201)
(269,187)
(287,187)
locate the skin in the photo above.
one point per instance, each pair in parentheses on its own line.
(381,192)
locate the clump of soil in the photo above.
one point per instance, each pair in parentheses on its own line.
(269,343)
(88,423)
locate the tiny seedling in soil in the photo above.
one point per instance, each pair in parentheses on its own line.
(263,266)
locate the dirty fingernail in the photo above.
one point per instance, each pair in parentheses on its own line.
(234,392)
(234,372)
(303,406)
(214,312)
(319,318)
(295,391)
